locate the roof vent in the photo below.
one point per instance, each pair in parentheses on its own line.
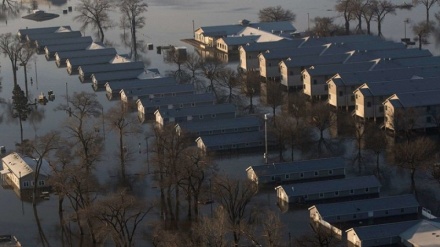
(244,22)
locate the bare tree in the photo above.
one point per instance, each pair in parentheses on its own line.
(428,5)
(274,95)
(250,86)
(321,118)
(228,78)
(375,140)
(193,64)
(382,8)
(124,123)
(82,108)
(422,30)
(321,236)
(211,231)
(211,68)
(20,108)
(234,196)
(368,14)
(415,155)
(94,13)
(119,216)
(324,27)
(132,11)
(277,13)
(11,47)
(345,8)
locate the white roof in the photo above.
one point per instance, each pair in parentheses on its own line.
(22,165)
(425,233)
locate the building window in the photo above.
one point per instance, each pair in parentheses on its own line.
(354,216)
(381,109)
(321,195)
(352,191)
(193,104)
(41,183)
(352,98)
(291,72)
(368,104)
(301,174)
(336,193)
(26,184)
(386,211)
(181,105)
(200,116)
(402,210)
(213,115)
(287,176)
(340,93)
(330,172)
(315,82)
(316,173)
(367,189)
(273,178)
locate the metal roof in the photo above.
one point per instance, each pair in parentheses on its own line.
(158,102)
(416,99)
(67,47)
(86,53)
(424,233)
(232,139)
(315,60)
(383,231)
(40,30)
(101,78)
(240,40)
(109,67)
(390,54)
(117,86)
(45,42)
(263,46)
(359,77)
(218,124)
(284,53)
(364,47)
(331,185)
(197,110)
(331,69)
(147,91)
(299,166)
(389,88)
(77,61)
(365,206)
(61,35)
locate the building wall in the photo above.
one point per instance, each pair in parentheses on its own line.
(281,194)
(360,104)
(314,86)
(372,214)
(249,60)
(353,240)
(337,194)
(412,118)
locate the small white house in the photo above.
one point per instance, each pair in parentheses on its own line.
(19,169)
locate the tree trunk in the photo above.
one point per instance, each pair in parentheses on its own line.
(368,27)
(413,181)
(21,130)
(122,156)
(251,106)
(101,32)
(379,27)
(133,36)
(14,73)
(25,81)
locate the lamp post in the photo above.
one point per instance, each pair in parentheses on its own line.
(265,138)
(406,21)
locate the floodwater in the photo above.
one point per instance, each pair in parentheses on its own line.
(167,21)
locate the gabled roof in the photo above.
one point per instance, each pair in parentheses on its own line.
(240,40)
(99,59)
(299,166)
(314,41)
(21,165)
(227,30)
(231,139)
(331,185)
(60,35)
(424,233)
(147,91)
(64,41)
(218,124)
(415,99)
(315,60)
(331,69)
(359,77)
(140,83)
(67,47)
(86,53)
(364,47)
(176,100)
(383,231)
(264,46)
(365,206)
(109,67)
(389,88)
(390,55)
(197,110)
(103,77)
(39,30)
(223,30)
(284,53)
